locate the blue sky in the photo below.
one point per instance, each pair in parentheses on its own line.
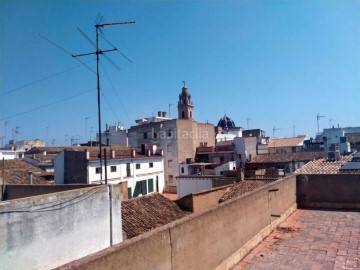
(279,63)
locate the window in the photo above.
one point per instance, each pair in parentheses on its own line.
(113,169)
(145,135)
(129,193)
(98,170)
(182,170)
(138,166)
(151,165)
(201,144)
(205,144)
(183,115)
(169,163)
(171,178)
(128,170)
(169,133)
(155,135)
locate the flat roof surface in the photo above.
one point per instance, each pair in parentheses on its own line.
(309,239)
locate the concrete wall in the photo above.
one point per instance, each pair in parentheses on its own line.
(43,232)
(21,191)
(215,239)
(335,191)
(202,201)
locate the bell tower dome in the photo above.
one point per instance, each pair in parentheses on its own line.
(185,105)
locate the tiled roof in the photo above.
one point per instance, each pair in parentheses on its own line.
(42,158)
(286,142)
(145,213)
(94,150)
(323,166)
(17,172)
(49,150)
(120,151)
(288,157)
(241,188)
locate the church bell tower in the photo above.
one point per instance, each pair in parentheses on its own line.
(185,105)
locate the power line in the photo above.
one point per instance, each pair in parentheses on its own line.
(46,105)
(40,80)
(116,94)
(67,52)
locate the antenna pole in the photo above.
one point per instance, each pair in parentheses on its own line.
(318,116)
(293,128)
(247,121)
(98,52)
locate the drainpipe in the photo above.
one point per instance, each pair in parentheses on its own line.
(105,165)
(110,207)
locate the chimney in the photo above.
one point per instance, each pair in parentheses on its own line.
(148,152)
(133,153)
(159,114)
(87,153)
(112,153)
(30,177)
(163,114)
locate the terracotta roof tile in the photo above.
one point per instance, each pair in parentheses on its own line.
(286,142)
(323,166)
(49,150)
(288,157)
(242,187)
(145,213)
(17,172)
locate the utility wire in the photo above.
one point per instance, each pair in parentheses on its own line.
(108,103)
(67,52)
(59,205)
(40,80)
(46,105)
(116,94)
(123,55)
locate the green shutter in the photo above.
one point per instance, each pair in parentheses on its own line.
(151,185)
(137,189)
(144,187)
(129,193)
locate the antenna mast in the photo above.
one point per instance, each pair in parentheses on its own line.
(318,116)
(247,121)
(99,52)
(275,129)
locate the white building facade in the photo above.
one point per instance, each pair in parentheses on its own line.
(142,173)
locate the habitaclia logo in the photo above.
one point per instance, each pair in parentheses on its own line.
(179,134)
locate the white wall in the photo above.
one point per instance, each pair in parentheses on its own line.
(228,166)
(186,185)
(46,231)
(120,175)
(8,154)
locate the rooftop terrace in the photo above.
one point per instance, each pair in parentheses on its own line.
(309,239)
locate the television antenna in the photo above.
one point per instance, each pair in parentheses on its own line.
(98,32)
(318,116)
(275,129)
(247,121)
